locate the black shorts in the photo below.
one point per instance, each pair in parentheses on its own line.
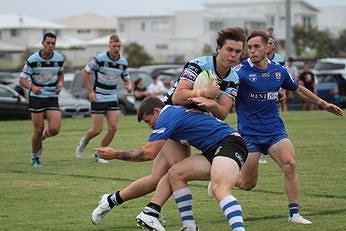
(231,146)
(37,104)
(102,107)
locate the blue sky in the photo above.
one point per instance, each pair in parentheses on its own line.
(57,9)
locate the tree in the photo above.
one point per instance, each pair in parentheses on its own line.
(136,55)
(207,50)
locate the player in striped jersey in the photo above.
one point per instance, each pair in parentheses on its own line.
(43,75)
(109,68)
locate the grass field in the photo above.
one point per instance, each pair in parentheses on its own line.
(61,194)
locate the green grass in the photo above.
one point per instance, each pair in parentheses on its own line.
(62,194)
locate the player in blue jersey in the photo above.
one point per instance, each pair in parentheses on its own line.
(109,67)
(43,75)
(230,43)
(259,122)
(223,154)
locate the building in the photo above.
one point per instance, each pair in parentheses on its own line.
(183,34)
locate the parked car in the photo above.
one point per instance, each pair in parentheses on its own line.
(126,100)
(157,68)
(330,76)
(12,80)
(12,104)
(72,106)
(68,78)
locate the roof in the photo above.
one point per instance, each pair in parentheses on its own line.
(13,21)
(87,21)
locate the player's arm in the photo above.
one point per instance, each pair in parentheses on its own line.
(184,92)
(147,152)
(59,82)
(310,97)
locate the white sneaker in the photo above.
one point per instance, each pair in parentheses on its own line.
(297,218)
(262,159)
(210,192)
(100,160)
(81,148)
(149,222)
(101,210)
(189,228)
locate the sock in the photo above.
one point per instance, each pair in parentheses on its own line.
(35,155)
(183,199)
(294,208)
(115,199)
(232,210)
(152,209)
(84,141)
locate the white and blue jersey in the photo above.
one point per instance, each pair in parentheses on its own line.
(176,123)
(43,72)
(256,102)
(107,74)
(228,84)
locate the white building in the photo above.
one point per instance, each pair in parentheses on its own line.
(185,32)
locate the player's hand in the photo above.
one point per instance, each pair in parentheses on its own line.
(204,103)
(212,88)
(37,90)
(282,95)
(92,96)
(106,153)
(332,108)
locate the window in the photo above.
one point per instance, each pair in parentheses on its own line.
(161,46)
(15,33)
(215,25)
(160,25)
(121,27)
(83,31)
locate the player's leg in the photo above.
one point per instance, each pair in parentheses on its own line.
(170,153)
(54,123)
(284,155)
(249,172)
(96,129)
(37,119)
(224,176)
(195,167)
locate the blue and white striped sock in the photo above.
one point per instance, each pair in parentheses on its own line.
(294,208)
(232,210)
(183,199)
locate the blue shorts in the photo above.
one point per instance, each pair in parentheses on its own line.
(262,143)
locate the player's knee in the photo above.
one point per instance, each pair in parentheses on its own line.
(53,131)
(289,167)
(112,128)
(247,185)
(220,190)
(175,174)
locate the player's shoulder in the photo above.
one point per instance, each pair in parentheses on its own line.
(58,55)
(203,61)
(34,57)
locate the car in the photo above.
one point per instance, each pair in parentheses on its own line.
(12,104)
(71,106)
(68,78)
(169,76)
(157,68)
(12,80)
(126,100)
(330,74)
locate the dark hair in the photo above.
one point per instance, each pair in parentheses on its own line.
(147,106)
(290,59)
(137,81)
(256,33)
(231,33)
(48,34)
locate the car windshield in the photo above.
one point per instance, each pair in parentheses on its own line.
(329,66)
(64,94)
(327,78)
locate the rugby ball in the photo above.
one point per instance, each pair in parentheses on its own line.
(203,79)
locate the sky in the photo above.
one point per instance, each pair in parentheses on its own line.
(50,9)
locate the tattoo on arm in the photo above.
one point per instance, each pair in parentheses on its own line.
(136,154)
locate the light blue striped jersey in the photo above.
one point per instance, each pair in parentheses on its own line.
(43,72)
(107,74)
